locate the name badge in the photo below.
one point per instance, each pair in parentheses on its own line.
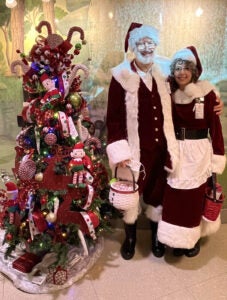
(199,108)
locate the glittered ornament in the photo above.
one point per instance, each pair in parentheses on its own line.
(27,169)
(75,99)
(50,139)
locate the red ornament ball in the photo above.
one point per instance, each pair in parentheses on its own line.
(9,237)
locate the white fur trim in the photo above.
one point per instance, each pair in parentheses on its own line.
(131,215)
(172,144)
(206,86)
(218,163)
(118,151)
(178,236)
(198,89)
(130,82)
(194,90)
(153,213)
(139,33)
(210,227)
(180,97)
(185,54)
(126,77)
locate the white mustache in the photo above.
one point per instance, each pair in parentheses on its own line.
(146,52)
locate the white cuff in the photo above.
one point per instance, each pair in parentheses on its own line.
(218,163)
(118,151)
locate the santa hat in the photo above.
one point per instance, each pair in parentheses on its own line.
(138,31)
(78,146)
(43,77)
(190,54)
(12,190)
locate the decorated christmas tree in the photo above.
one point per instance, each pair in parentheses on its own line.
(52,214)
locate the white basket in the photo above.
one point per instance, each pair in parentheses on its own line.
(124,195)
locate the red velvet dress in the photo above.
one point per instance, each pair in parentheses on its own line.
(182,223)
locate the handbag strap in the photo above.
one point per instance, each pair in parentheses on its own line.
(214,180)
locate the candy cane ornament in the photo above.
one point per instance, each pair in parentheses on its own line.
(73,74)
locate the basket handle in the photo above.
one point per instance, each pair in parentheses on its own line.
(133,177)
(214,180)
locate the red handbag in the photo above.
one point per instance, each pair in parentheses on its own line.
(214,199)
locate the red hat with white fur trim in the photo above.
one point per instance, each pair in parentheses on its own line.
(190,54)
(138,31)
(12,190)
(43,77)
(79,145)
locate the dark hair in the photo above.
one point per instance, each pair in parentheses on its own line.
(189,64)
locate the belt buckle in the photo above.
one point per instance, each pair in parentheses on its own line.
(182,133)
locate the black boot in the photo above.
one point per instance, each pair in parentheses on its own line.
(193,251)
(178,252)
(128,247)
(157,248)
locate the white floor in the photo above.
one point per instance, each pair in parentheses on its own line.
(145,277)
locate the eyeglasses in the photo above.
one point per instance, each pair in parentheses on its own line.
(146,45)
(179,69)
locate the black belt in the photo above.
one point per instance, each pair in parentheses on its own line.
(190,134)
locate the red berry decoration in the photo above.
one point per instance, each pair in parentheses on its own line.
(76,52)
(43,200)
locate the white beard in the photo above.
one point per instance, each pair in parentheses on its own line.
(144,59)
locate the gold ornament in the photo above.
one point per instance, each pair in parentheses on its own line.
(75,100)
(39,176)
(51,217)
(23,225)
